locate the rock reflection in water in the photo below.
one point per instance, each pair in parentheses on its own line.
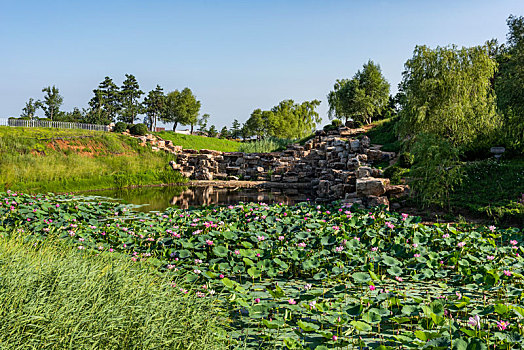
(159,198)
(210,195)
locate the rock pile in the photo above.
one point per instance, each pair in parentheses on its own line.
(335,165)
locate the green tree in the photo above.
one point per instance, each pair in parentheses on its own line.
(52,102)
(257,123)
(447,92)
(154,103)
(182,107)
(130,106)
(292,120)
(105,105)
(75,116)
(361,98)
(202,123)
(235,129)
(30,108)
(212,132)
(224,133)
(509,82)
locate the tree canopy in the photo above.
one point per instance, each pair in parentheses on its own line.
(52,102)
(447,92)
(154,104)
(129,98)
(361,98)
(182,107)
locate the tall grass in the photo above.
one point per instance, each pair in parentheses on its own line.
(200,142)
(55,297)
(384,133)
(36,160)
(271,144)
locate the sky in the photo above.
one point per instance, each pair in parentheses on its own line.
(236,56)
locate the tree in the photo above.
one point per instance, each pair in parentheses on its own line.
(362,98)
(235,129)
(447,92)
(224,133)
(509,82)
(212,132)
(75,116)
(52,102)
(292,120)
(257,123)
(106,103)
(181,107)
(130,106)
(202,123)
(154,104)
(30,108)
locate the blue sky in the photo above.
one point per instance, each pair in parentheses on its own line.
(236,56)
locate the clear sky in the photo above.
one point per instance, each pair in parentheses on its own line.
(236,56)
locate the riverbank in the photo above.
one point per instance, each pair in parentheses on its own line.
(60,160)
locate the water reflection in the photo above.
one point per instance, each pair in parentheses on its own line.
(159,198)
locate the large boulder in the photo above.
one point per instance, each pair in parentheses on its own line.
(371,186)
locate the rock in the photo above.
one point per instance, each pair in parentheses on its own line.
(364,171)
(370,186)
(374,201)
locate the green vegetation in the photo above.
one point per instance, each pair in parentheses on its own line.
(270,144)
(200,142)
(43,159)
(300,277)
(362,98)
(492,189)
(53,295)
(384,132)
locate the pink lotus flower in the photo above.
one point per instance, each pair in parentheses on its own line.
(404,216)
(372,287)
(390,225)
(502,325)
(513,242)
(374,249)
(292,301)
(261,238)
(237,252)
(446,235)
(474,321)
(335,338)
(416,255)
(490,257)
(507,272)
(209,242)
(221,276)
(281,238)
(491,228)
(302,244)
(257,300)
(398,278)
(461,244)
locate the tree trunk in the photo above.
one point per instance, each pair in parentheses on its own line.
(191,129)
(175,125)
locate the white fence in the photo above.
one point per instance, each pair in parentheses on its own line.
(51,124)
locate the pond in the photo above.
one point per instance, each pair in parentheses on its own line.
(160,198)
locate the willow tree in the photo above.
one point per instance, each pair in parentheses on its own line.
(448,93)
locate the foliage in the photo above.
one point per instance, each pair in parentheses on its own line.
(54,295)
(265,145)
(235,129)
(310,276)
(202,123)
(224,133)
(138,129)
(199,142)
(384,133)
(120,127)
(405,160)
(436,170)
(395,173)
(493,189)
(105,105)
(181,107)
(154,106)
(509,83)
(287,120)
(129,99)
(52,102)
(30,108)
(63,160)
(448,93)
(363,98)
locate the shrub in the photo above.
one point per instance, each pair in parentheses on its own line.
(139,129)
(120,127)
(395,173)
(336,122)
(405,160)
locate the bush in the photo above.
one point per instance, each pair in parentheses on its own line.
(120,127)
(395,174)
(139,129)
(336,122)
(405,160)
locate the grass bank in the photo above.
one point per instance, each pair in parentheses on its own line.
(61,160)
(53,296)
(200,142)
(383,133)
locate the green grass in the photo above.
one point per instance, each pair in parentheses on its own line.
(493,189)
(200,142)
(56,297)
(61,160)
(383,133)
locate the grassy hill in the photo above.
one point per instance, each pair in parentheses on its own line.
(61,160)
(200,142)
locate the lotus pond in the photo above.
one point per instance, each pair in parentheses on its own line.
(310,276)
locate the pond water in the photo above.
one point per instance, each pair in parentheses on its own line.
(159,198)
